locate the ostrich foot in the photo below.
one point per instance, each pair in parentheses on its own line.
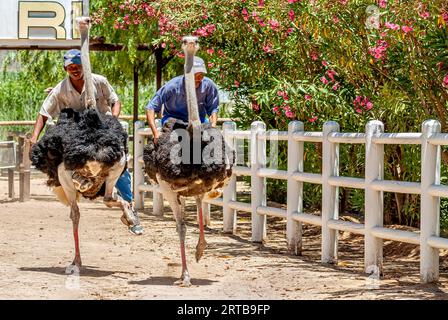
(74,267)
(184,280)
(200,247)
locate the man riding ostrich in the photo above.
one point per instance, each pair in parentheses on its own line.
(201,162)
(85,152)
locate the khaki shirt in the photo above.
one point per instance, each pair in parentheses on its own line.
(64,95)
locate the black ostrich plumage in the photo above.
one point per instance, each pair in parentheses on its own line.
(77,138)
(189,178)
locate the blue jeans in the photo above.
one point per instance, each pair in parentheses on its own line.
(124,186)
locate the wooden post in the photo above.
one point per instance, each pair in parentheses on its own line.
(138,170)
(430,206)
(373,249)
(295,189)
(135,109)
(24,171)
(330,207)
(157,197)
(11,191)
(258,184)
(229,193)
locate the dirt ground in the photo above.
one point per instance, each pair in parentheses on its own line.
(36,244)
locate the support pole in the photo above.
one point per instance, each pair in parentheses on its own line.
(373,251)
(330,201)
(258,184)
(229,192)
(138,170)
(430,206)
(295,189)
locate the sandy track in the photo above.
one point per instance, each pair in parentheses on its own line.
(36,245)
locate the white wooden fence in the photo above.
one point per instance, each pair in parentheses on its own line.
(374,185)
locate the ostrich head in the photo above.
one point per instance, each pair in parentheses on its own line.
(84,27)
(190,45)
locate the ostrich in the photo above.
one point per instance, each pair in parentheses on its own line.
(197,166)
(84,154)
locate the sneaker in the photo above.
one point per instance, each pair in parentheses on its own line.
(130,219)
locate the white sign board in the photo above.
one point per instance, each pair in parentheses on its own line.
(38,23)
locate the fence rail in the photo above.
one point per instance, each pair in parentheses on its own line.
(373,184)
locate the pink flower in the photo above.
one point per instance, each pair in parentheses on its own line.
(324,63)
(324,80)
(335,19)
(382,3)
(291,15)
(336,86)
(292,1)
(314,56)
(260,21)
(362,103)
(331,74)
(343,2)
(290,114)
(210,64)
(255,106)
(267,49)
(245,14)
(210,51)
(425,15)
(163,45)
(290,30)
(445,81)
(274,24)
(392,26)
(236,83)
(379,51)
(308,97)
(276,110)
(406,29)
(312,119)
(261,3)
(445,17)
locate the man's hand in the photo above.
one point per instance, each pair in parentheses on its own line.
(156,137)
(33,141)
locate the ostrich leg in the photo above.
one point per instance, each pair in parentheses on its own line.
(201,243)
(129,217)
(75,215)
(65,178)
(178,213)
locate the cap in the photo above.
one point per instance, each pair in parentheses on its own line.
(199,65)
(72,57)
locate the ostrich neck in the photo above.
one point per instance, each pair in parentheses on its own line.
(190,88)
(88,81)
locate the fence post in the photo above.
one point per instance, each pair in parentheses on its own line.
(373,249)
(330,200)
(138,169)
(24,168)
(205,213)
(157,197)
(11,191)
(430,213)
(294,189)
(229,192)
(258,184)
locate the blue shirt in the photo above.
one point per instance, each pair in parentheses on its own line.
(173,96)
